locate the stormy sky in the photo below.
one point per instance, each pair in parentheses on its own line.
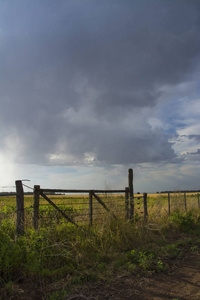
(90,88)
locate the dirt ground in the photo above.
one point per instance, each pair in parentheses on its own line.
(183,283)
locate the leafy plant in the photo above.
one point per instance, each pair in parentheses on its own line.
(161,267)
(58,295)
(194,249)
(142,259)
(173,251)
(185,221)
(145,260)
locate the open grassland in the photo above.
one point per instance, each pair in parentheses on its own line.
(177,200)
(58,257)
(77,207)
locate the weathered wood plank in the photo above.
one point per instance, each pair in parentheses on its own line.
(80,191)
(36,198)
(185,201)
(127,203)
(20,207)
(169,204)
(145,206)
(103,204)
(131,194)
(90,208)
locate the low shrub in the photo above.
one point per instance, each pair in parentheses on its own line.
(184,221)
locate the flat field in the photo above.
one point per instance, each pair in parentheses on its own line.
(78,207)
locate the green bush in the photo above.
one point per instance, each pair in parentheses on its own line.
(184,221)
(142,259)
(12,257)
(58,295)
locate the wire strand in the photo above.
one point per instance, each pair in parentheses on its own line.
(27,186)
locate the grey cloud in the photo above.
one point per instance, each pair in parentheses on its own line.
(108,58)
(198,152)
(194,156)
(194,136)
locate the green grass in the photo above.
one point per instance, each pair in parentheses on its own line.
(76,207)
(60,252)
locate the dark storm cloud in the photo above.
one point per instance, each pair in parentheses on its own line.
(72,71)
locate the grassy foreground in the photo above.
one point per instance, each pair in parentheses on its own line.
(62,256)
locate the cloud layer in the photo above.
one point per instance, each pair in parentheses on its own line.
(80,80)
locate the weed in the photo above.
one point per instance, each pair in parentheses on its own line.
(58,295)
(119,263)
(184,221)
(189,241)
(145,260)
(11,257)
(7,210)
(172,251)
(194,249)
(83,278)
(142,259)
(161,267)
(9,288)
(102,266)
(132,268)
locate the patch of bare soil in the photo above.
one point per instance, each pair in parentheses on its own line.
(183,283)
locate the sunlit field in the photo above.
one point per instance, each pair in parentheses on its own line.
(77,207)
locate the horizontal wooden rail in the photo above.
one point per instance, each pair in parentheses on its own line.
(80,191)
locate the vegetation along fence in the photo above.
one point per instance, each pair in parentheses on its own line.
(47,206)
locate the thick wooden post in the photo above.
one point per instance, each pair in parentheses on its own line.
(20,207)
(131,193)
(126,203)
(169,204)
(145,206)
(185,201)
(36,199)
(90,208)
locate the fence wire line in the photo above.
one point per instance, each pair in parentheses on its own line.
(28,186)
(6,186)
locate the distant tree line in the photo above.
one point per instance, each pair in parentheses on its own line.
(181,191)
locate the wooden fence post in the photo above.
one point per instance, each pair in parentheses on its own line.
(90,208)
(185,201)
(126,203)
(20,207)
(198,200)
(36,199)
(145,206)
(131,194)
(169,204)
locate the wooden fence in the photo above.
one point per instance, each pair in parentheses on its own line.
(94,196)
(130,204)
